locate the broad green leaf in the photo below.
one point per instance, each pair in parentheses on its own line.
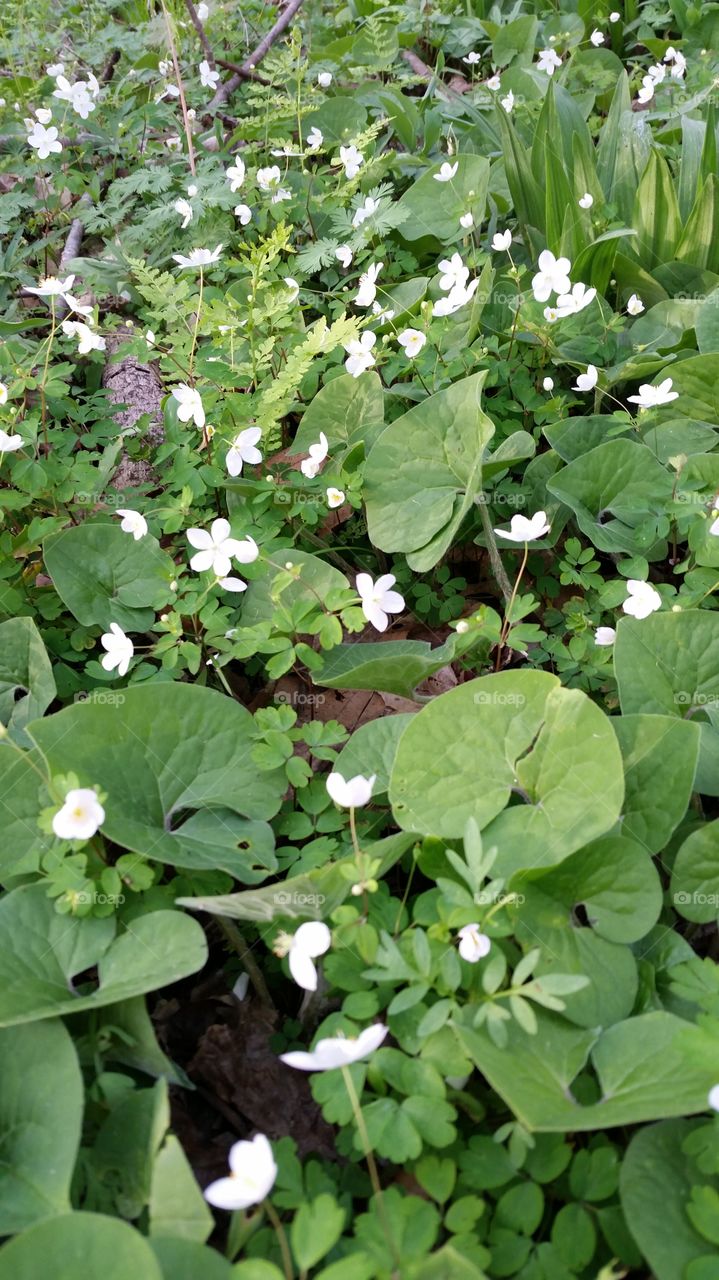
(434,208)
(699,243)
(104,576)
(618,493)
(466,753)
(40,1123)
(668,664)
(27,685)
(622,151)
(527,194)
(707,324)
(182,1259)
(515,40)
(122,1158)
(177,1206)
(417,498)
(655,1186)
(660,757)
(175,763)
(134,1043)
(340,119)
(20,804)
(315,580)
(42,952)
(79,1244)
(348,410)
(372,749)
(697,382)
(316,1228)
(695,876)
(656,217)
(646,1066)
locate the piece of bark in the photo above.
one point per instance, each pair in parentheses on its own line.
(71,250)
(136,386)
(457,84)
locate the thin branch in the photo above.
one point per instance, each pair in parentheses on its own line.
(241,71)
(255,58)
(71,250)
(202,34)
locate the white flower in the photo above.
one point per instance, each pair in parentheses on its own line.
(679,65)
(586,201)
(646,93)
(208,77)
(242,450)
(292,285)
(233,584)
(579,297)
(236,174)
(548,384)
(203,11)
(216,549)
(365,211)
(657,73)
(184,208)
(523,530)
(350,793)
(508,102)
(3,393)
(324,79)
(315,138)
(614,16)
(190,406)
(359,353)
(713,527)
(243,213)
(713,1098)
(472,59)
(453,271)
(382,315)
(150,338)
(55,69)
(80,816)
(597,38)
(335,498)
(74,305)
(493,84)
(44,115)
(642,599)
(282,193)
(317,454)
(467,221)
(367,291)
(446,171)
(192,190)
(119,650)
(501,241)
(635,306)
(269,177)
(198,257)
(378,600)
(311,940)
(87,339)
(457,297)
(548,61)
(132,522)
(343,254)
(650,396)
(412,341)
(352,159)
(587,381)
(552,277)
(10,444)
(44,141)
(473,944)
(551,315)
(604,636)
(339,1051)
(252,1176)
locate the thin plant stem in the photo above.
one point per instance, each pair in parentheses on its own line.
(371,1162)
(281,1240)
(495,559)
(181,87)
(358,859)
(508,611)
(197,322)
(239,944)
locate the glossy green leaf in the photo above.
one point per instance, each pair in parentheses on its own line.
(618,493)
(104,576)
(434,208)
(27,685)
(79,1244)
(660,756)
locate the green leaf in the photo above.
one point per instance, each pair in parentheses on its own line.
(104,576)
(316,1228)
(660,758)
(27,685)
(434,208)
(123,1156)
(695,876)
(175,763)
(186,1260)
(372,749)
(668,664)
(316,579)
(655,1186)
(23,842)
(349,411)
(40,1139)
(79,1244)
(618,493)
(699,243)
(416,499)
(551,745)
(41,952)
(656,218)
(177,1206)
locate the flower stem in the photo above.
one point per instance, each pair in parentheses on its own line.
(371,1163)
(358,858)
(508,611)
(44,373)
(281,1240)
(197,322)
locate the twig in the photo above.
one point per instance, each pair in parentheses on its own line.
(181,87)
(420,68)
(239,944)
(202,34)
(255,58)
(71,250)
(241,71)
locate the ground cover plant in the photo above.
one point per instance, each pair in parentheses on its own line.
(359,689)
